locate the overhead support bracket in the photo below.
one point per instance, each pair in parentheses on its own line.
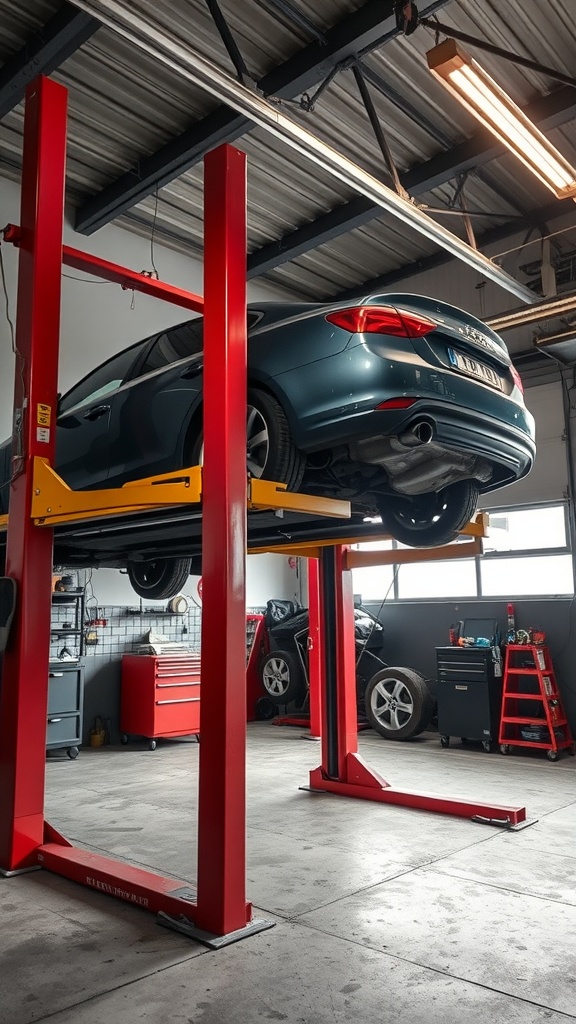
(230,43)
(355,34)
(378,131)
(164,47)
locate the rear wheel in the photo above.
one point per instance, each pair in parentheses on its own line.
(162,578)
(428,520)
(398,703)
(270,450)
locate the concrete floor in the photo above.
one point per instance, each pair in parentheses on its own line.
(383,914)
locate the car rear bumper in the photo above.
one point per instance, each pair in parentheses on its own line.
(509,449)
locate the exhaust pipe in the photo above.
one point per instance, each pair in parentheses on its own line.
(420,433)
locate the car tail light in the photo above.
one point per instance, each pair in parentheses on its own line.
(381,320)
(517,378)
(397,403)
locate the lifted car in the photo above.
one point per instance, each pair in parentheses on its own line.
(406,406)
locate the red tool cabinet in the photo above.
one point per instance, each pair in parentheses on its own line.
(160,696)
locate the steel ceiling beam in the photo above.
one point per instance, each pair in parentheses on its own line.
(120,16)
(45,51)
(440,259)
(547,112)
(356,34)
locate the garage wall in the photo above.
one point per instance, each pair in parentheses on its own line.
(548,480)
(413,630)
(267,576)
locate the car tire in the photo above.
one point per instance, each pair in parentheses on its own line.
(423,524)
(281,677)
(398,703)
(162,578)
(271,452)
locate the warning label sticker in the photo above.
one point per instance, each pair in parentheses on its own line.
(43,415)
(43,434)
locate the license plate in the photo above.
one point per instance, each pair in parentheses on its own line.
(475,369)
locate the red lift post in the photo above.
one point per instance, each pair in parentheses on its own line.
(315,649)
(24,693)
(343,770)
(218,913)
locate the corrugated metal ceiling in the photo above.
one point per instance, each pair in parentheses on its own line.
(123,107)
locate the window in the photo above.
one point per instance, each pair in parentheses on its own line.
(537,540)
(437,579)
(526,529)
(375,581)
(101,382)
(531,576)
(526,555)
(180,343)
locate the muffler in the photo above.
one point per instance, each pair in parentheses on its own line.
(421,432)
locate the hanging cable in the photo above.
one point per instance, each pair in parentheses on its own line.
(18,420)
(7,302)
(153,234)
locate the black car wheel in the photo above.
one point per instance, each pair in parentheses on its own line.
(398,703)
(281,677)
(270,450)
(163,578)
(429,520)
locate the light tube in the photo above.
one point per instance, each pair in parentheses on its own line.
(493,107)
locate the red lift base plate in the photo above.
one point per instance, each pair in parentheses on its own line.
(172,900)
(19,871)
(185,927)
(361,782)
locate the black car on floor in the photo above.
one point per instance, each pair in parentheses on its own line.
(396,702)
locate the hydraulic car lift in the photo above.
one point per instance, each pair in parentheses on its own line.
(217,911)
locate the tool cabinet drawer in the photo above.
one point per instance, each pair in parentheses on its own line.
(466,664)
(64,690)
(63,730)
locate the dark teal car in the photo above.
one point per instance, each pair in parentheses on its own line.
(406,406)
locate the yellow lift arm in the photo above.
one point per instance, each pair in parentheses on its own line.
(53,502)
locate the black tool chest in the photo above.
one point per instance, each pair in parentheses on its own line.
(469,694)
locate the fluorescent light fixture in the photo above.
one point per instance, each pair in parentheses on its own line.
(492,106)
(548,309)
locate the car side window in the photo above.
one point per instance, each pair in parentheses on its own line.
(101,382)
(178,343)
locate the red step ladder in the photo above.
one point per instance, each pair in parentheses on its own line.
(532,715)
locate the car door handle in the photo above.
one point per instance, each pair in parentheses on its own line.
(192,371)
(96,412)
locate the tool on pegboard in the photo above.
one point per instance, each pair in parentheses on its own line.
(511,627)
